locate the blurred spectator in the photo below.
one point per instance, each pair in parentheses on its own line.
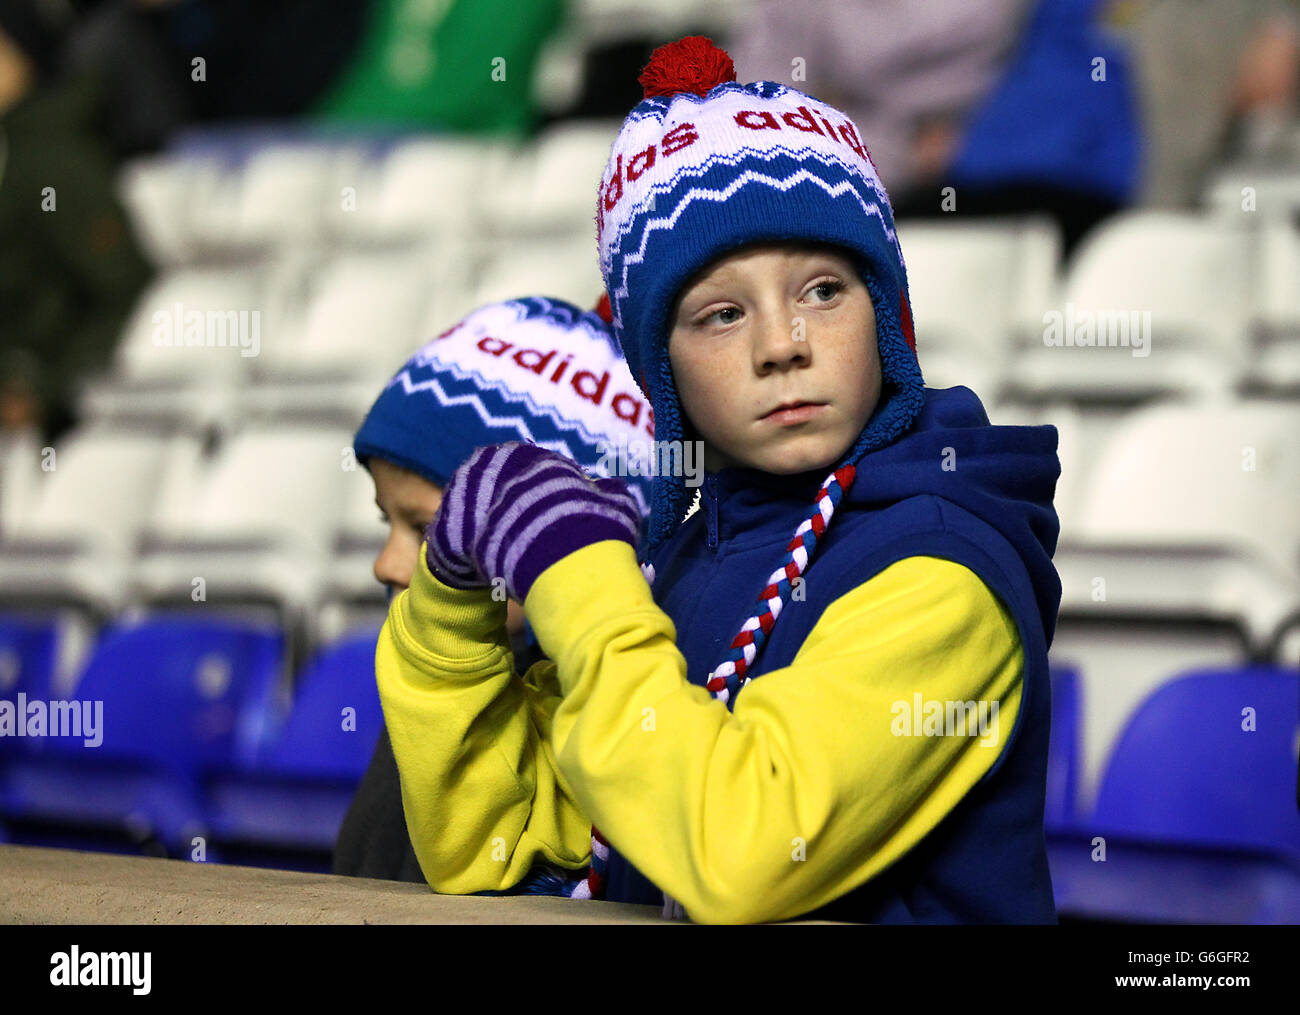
(70,270)
(997,99)
(908,73)
(457,65)
(1231,67)
(1060,132)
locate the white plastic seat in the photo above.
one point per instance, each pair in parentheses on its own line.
(161,194)
(566,268)
(431,186)
(156,345)
(283,194)
(186,347)
(255,523)
(365,311)
(1260,191)
(1211,474)
(20,472)
(1166,300)
(1185,552)
(973,287)
(1276,361)
(89,508)
(352,596)
(552,185)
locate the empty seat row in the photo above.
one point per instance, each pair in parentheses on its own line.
(182,730)
(1197,817)
(200,337)
(115,517)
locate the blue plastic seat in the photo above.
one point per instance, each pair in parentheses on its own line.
(1063,758)
(1197,811)
(28,649)
(296,795)
(174,696)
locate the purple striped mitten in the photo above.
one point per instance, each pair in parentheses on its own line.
(512,510)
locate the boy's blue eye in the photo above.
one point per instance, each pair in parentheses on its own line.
(725,310)
(828,290)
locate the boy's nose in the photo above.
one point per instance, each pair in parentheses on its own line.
(389,568)
(781,342)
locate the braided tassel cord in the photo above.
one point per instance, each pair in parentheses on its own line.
(730,675)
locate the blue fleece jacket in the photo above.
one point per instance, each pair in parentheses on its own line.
(953,487)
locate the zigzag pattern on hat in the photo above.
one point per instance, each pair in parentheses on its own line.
(566,316)
(637,220)
(477,385)
(697,193)
(578,443)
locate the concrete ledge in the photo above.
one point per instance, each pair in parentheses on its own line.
(58,886)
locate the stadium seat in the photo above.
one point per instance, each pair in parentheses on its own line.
(1263,192)
(1180,556)
(1164,298)
(352,596)
(223,313)
(430,187)
(284,191)
(1063,755)
(1276,362)
(564,268)
(1197,812)
(28,657)
(552,185)
(20,473)
(973,287)
(165,699)
(1202,475)
(253,526)
(295,795)
(76,538)
(161,194)
(364,314)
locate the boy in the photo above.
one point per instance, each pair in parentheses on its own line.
(890,766)
(475,384)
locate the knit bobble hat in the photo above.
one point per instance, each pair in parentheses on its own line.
(704,165)
(537,370)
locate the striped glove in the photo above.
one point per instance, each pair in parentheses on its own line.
(512,510)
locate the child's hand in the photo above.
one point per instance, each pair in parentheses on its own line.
(512,510)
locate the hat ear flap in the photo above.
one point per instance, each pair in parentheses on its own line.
(905,320)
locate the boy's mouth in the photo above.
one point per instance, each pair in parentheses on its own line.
(793,411)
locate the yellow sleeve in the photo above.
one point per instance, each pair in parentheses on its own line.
(810,787)
(482,796)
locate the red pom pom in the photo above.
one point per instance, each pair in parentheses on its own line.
(693,64)
(603,308)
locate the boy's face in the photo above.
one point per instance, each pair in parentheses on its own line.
(407,504)
(765,327)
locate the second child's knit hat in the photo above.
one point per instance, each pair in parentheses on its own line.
(534,369)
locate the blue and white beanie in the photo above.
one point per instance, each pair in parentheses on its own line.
(705,165)
(535,369)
